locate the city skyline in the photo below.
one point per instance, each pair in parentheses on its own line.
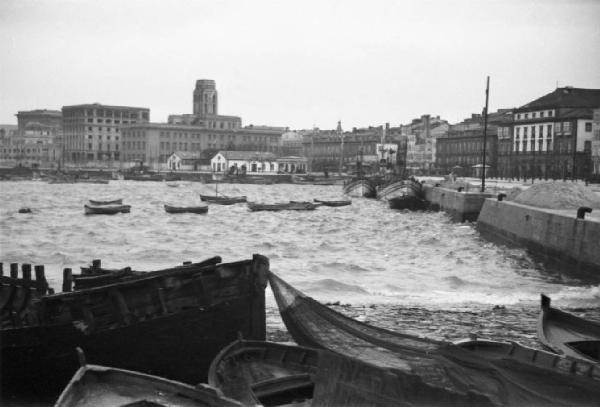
(300,64)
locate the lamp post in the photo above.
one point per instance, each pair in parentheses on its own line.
(485,114)
(341,136)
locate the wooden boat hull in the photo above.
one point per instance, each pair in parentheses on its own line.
(223,200)
(412,203)
(186,209)
(291,206)
(100,203)
(360,188)
(333,203)
(399,189)
(170,325)
(463,374)
(106,209)
(567,334)
(93,386)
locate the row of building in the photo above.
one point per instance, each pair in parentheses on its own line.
(554,136)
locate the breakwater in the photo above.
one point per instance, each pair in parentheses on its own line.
(460,205)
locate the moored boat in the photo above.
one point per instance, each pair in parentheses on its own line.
(106,209)
(500,381)
(186,209)
(170,324)
(223,199)
(94,385)
(400,188)
(109,202)
(568,334)
(342,202)
(283,206)
(361,187)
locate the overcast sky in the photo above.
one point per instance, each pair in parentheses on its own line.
(296,63)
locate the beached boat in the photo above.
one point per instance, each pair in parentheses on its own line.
(361,187)
(186,209)
(223,199)
(502,381)
(169,324)
(110,202)
(94,386)
(264,373)
(343,202)
(283,206)
(567,334)
(106,209)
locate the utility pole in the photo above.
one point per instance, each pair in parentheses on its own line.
(485,115)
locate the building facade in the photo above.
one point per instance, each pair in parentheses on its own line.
(92,132)
(596,145)
(422,135)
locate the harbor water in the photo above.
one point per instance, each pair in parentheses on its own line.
(416,272)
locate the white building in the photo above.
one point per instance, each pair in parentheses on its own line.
(184,161)
(596,142)
(244,162)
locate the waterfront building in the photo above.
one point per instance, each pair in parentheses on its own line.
(422,135)
(244,162)
(92,132)
(292,165)
(184,161)
(553,135)
(291,143)
(596,145)
(461,149)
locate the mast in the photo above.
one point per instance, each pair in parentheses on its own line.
(341,135)
(485,115)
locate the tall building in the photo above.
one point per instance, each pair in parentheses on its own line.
(206,101)
(92,132)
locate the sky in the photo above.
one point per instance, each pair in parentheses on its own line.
(299,64)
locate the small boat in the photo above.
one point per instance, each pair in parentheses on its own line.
(463,372)
(567,334)
(361,187)
(186,209)
(400,188)
(106,209)
(111,202)
(94,385)
(92,181)
(170,324)
(333,203)
(273,373)
(284,206)
(223,199)
(412,203)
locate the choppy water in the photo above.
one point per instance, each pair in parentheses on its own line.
(359,254)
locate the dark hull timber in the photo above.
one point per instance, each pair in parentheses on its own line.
(93,386)
(567,334)
(333,203)
(360,188)
(401,188)
(170,325)
(412,203)
(290,206)
(186,209)
(464,373)
(223,200)
(106,209)
(100,203)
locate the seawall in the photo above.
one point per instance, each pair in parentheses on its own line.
(461,206)
(558,236)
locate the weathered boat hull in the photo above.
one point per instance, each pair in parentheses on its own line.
(223,200)
(170,325)
(291,206)
(360,188)
(100,203)
(94,386)
(567,334)
(333,203)
(186,209)
(106,209)
(412,203)
(399,189)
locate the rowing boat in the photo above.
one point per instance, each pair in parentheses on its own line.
(342,202)
(94,385)
(110,202)
(568,334)
(187,209)
(283,206)
(459,371)
(106,209)
(171,324)
(223,200)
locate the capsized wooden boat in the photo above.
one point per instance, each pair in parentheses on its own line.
(169,324)
(106,209)
(95,275)
(361,187)
(342,202)
(267,373)
(96,386)
(567,334)
(110,202)
(462,372)
(223,199)
(284,206)
(186,209)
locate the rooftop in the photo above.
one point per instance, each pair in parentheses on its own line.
(247,155)
(565,97)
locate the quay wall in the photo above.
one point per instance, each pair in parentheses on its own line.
(559,238)
(461,206)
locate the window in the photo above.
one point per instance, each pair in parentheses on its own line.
(527,115)
(524,132)
(518,117)
(518,132)
(541,114)
(89,128)
(89,136)
(548,130)
(532,132)
(588,126)
(550,113)
(533,115)
(557,128)
(567,127)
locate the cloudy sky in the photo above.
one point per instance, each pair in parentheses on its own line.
(296,63)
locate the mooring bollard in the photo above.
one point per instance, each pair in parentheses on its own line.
(501,197)
(14,270)
(26,270)
(582,211)
(67,280)
(1,269)
(40,278)
(96,263)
